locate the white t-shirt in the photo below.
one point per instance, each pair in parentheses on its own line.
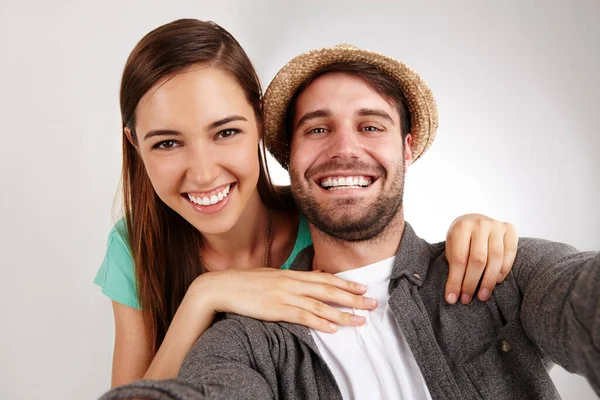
(372,361)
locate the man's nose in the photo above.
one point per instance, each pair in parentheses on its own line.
(344,142)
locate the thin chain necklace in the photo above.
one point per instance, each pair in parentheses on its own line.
(267,246)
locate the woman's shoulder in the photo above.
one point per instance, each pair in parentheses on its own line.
(303,240)
(116,275)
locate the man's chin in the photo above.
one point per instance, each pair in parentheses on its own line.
(344,215)
(346,226)
(343,203)
(358,234)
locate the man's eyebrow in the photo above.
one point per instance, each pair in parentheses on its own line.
(374,112)
(226,120)
(322,112)
(161,132)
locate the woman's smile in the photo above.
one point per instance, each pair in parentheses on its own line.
(210,202)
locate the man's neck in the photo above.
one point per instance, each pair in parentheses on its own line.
(335,255)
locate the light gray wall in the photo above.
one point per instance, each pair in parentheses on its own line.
(517,89)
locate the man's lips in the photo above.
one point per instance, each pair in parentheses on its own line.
(336,181)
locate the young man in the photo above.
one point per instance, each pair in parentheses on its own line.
(348,123)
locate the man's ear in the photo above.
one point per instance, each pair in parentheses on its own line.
(408,156)
(129,135)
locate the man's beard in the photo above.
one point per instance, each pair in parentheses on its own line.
(375,217)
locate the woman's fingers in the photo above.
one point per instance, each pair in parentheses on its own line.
(308,297)
(327,293)
(488,258)
(298,315)
(457,253)
(494,264)
(478,256)
(323,311)
(305,298)
(329,279)
(511,243)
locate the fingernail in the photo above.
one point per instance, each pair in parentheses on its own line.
(355,319)
(484,294)
(333,327)
(465,299)
(370,302)
(361,287)
(500,277)
(451,298)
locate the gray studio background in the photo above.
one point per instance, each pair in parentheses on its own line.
(518,93)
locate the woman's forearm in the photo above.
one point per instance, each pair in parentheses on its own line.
(193,317)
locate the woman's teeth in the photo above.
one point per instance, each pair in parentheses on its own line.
(210,199)
(345,182)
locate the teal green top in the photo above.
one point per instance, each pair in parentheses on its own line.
(116,275)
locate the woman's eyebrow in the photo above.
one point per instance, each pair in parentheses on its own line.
(161,132)
(226,120)
(172,132)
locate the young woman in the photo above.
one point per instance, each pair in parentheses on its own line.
(204,227)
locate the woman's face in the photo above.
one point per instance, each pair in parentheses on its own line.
(198,138)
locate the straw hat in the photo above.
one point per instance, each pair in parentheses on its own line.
(421,103)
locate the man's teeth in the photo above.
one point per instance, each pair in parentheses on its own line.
(213,199)
(345,182)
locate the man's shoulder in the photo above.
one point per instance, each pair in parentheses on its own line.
(233,336)
(529,250)
(535,251)
(229,324)
(541,257)
(529,247)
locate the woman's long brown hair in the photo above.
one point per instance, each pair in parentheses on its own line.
(162,243)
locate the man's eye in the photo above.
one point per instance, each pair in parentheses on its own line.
(165,145)
(227,133)
(317,130)
(371,129)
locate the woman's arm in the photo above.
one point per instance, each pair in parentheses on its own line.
(132,354)
(267,294)
(134,357)
(478,249)
(194,315)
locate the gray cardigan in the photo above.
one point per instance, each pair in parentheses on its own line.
(546,311)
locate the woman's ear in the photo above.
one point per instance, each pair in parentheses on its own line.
(130,137)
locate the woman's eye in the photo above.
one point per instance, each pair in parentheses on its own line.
(227,133)
(317,130)
(165,145)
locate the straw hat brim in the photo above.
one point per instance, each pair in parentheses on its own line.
(421,103)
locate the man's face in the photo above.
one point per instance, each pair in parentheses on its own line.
(347,158)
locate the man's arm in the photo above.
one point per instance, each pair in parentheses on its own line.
(223,361)
(560,310)
(219,366)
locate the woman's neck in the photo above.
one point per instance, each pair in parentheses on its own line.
(243,243)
